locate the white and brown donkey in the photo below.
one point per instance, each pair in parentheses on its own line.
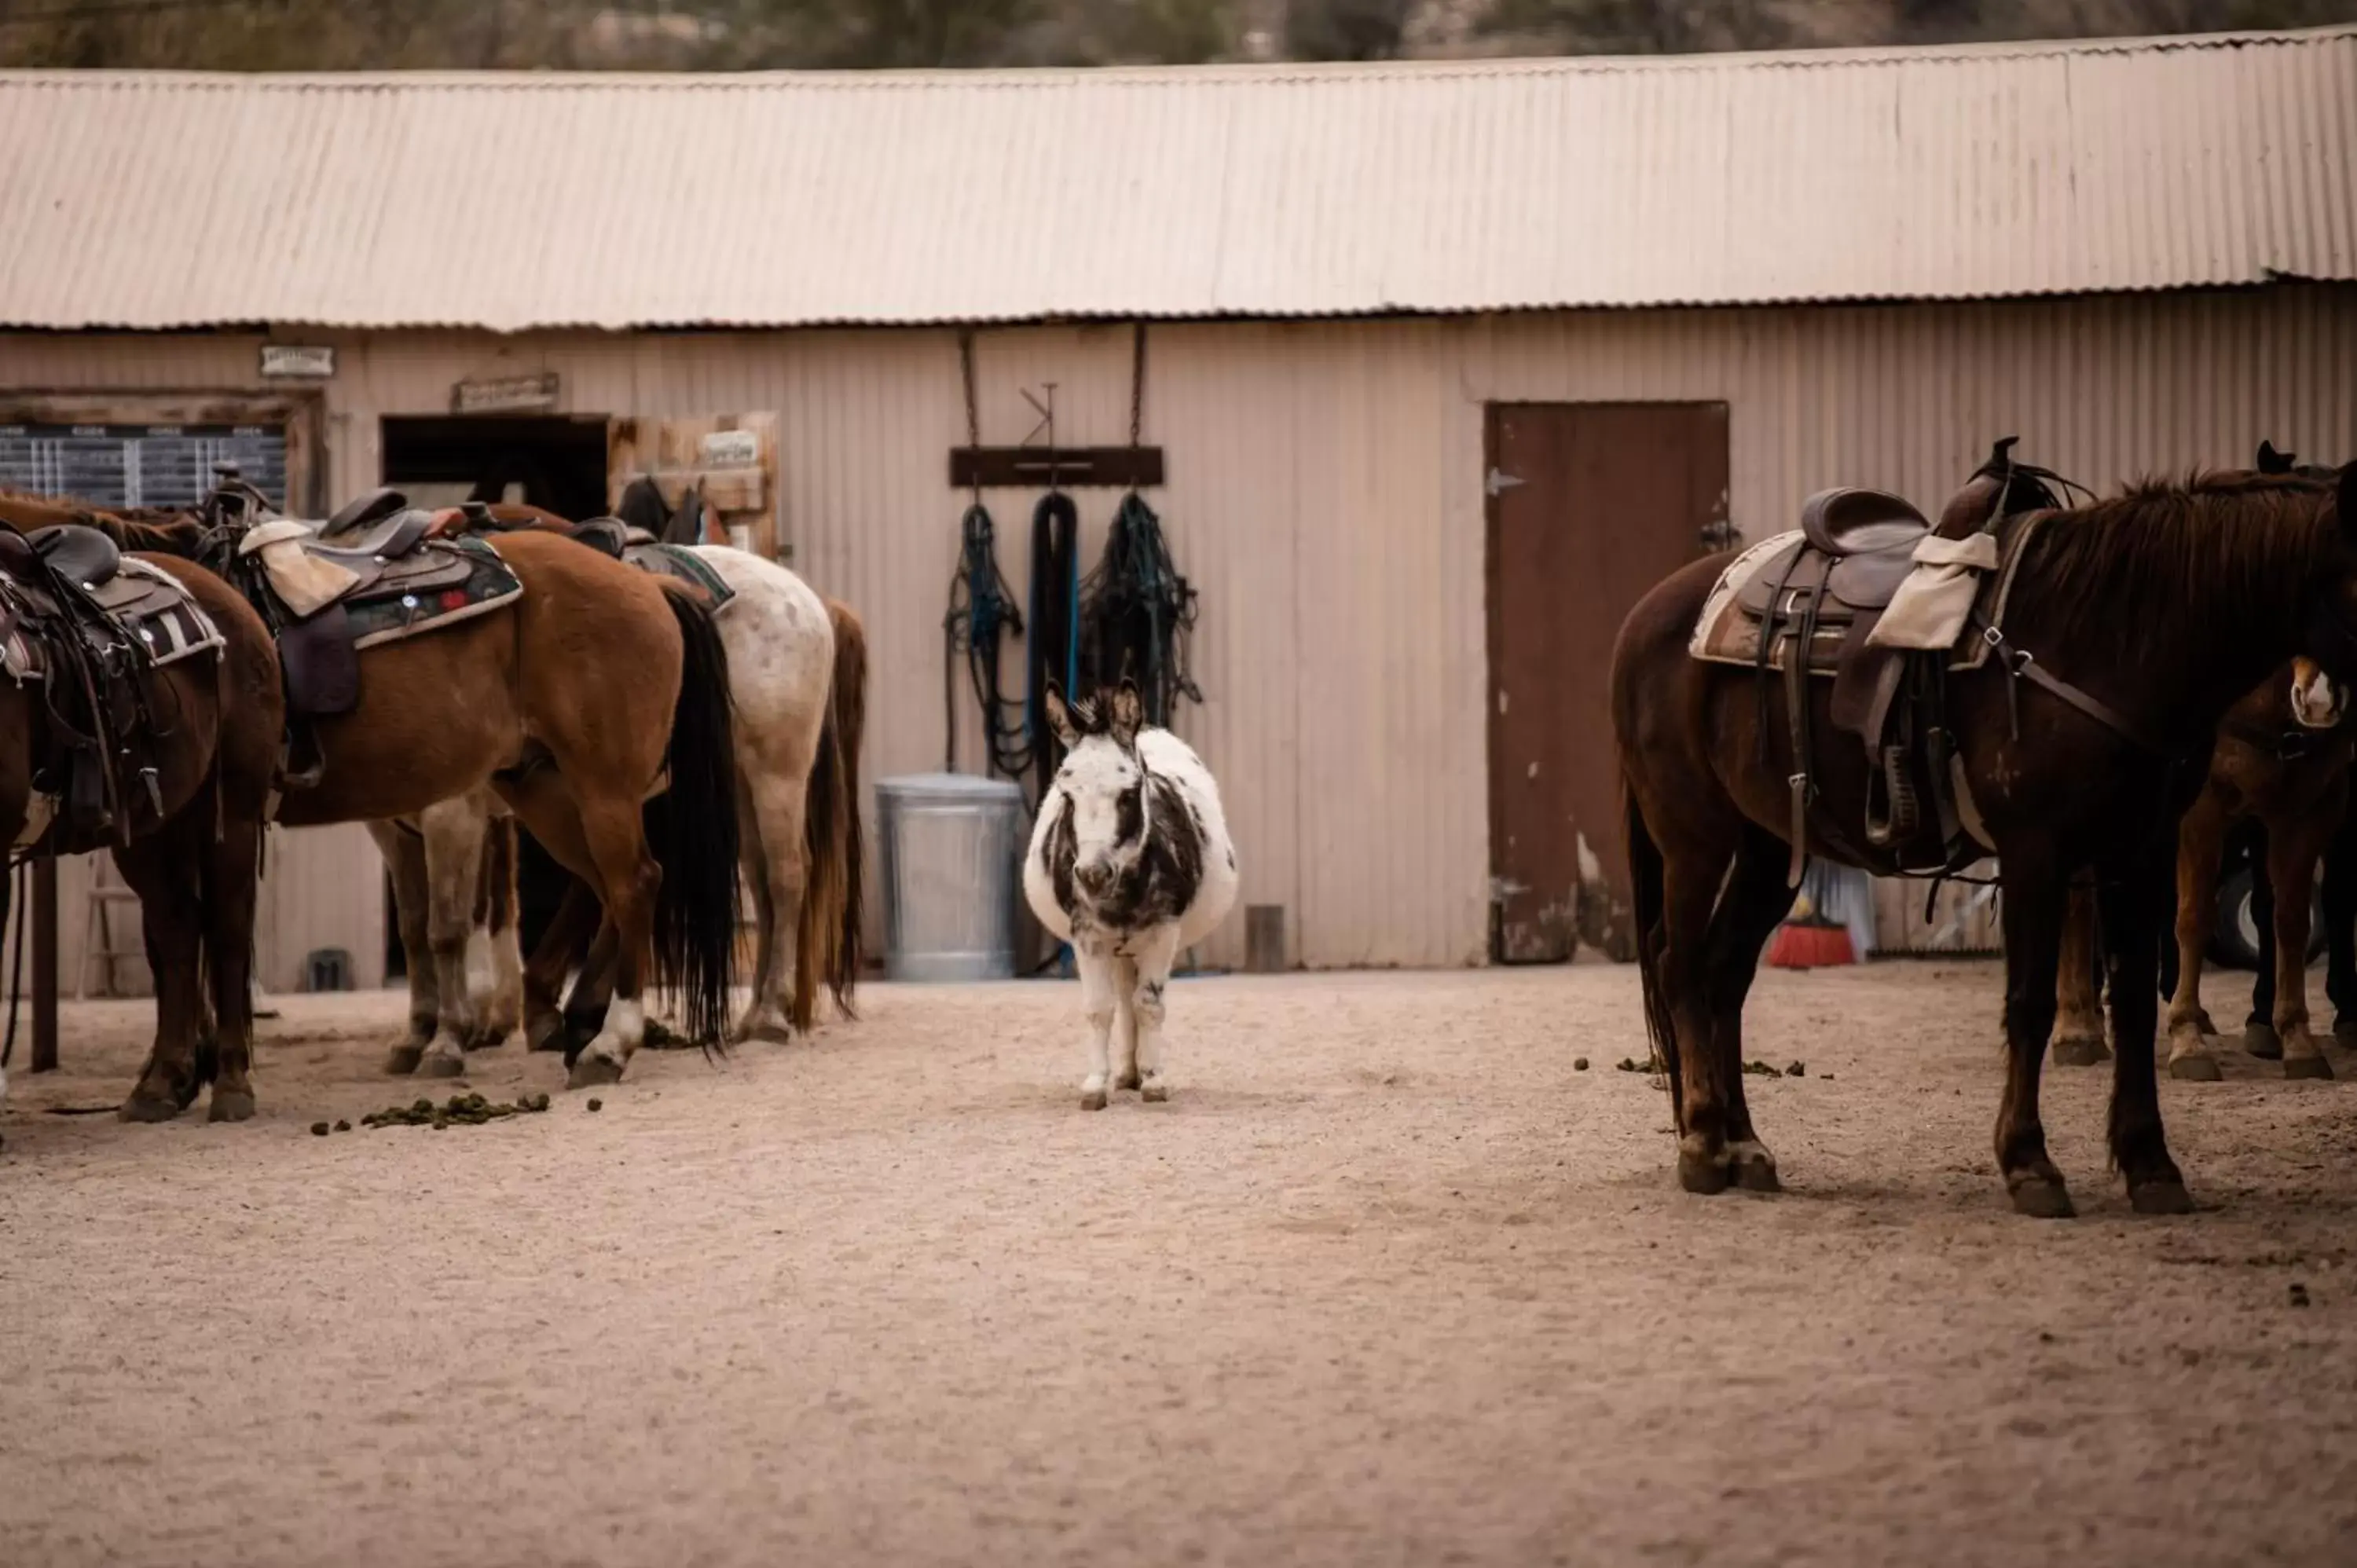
(1130,862)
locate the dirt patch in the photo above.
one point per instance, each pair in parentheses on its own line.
(1388,1281)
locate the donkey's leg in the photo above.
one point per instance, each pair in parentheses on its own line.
(404,859)
(1126,1051)
(2036,892)
(2079,1029)
(2293,847)
(2200,842)
(162,870)
(1754,901)
(1148,974)
(454,832)
(1098,969)
(233,869)
(2135,899)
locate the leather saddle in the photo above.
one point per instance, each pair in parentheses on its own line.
(1826,589)
(80,556)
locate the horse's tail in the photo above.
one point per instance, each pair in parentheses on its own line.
(1645,890)
(695,837)
(827,937)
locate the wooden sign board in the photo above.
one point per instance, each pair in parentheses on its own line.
(298,363)
(506,394)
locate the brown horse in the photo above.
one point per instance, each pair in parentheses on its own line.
(595,687)
(197,740)
(2080,747)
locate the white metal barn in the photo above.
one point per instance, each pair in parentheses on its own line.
(1447,362)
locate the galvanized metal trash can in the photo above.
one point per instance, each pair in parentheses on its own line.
(953,854)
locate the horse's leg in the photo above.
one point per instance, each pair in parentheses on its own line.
(500,1011)
(629,878)
(2260,1037)
(2293,847)
(754,868)
(162,870)
(2036,893)
(453,831)
(404,859)
(773,835)
(2135,897)
(575,922)
(2200,842)
(593,986)
(2341,925)
(1754,902)
(232,872)
(1099,970)
(2079,1027)
(1692,874)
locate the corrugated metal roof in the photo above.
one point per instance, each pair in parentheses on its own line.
(517,201)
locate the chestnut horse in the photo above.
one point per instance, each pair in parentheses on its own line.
(189,841)
(599,686)
(2203,587)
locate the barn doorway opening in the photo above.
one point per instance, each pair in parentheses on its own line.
(1589,506)
(558,463)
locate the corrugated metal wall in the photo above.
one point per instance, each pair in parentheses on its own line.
(1326,495)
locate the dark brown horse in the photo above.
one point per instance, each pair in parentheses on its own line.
(194,733)
(2146,617)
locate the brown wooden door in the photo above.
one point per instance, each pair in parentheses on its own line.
(1590,505)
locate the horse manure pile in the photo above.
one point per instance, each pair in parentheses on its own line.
(466,1110)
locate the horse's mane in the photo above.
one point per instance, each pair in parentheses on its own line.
(160,530)
(2133,560)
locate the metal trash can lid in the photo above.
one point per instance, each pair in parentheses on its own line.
(949,789)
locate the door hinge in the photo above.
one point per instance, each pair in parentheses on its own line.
(1499,482)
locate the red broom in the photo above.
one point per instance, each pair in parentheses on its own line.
(1808,940)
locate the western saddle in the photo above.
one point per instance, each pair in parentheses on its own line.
(1815,604)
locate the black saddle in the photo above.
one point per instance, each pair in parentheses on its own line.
(1850,521)
(373,507)
(81,555)
(375,541)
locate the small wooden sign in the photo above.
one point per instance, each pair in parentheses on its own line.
(505,395)
(298,363)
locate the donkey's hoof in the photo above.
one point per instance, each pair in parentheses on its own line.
(1705,1174)
(2306,1067)
(2081,1052)
(2195,1069)
(1155,1094)
(402,1060)
(143,1106)
(1093,1100)
(442,1064)
(2262,1042)
(2043,1197)
(2160,1198)
(232,1104)
(590,1070)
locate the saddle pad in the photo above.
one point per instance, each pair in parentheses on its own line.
(1725,633)
(146,602)
(681,562)
(487,585)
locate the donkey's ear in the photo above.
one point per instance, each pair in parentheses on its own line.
(1059,718)
(1128,713)
(2272,461)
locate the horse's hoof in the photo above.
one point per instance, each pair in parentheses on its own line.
(546,1035)
(1155,1094)
(402,1060)
(590,1070)
(2306,1067)
(2195,1069)
(2262,1042)
(491,1038)
(2043,1197)
(1757,1171)
(442,1065)
(2345,1030)
(2160,1198)
(1128,1080)
(145,1107)
(1701,1174)
(773,1030)
(1093,1100)
(232,1104)
(2080,1053)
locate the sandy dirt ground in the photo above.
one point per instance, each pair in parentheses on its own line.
(1388,1281)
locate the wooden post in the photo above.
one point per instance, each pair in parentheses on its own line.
(1264,939)
(45,964)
